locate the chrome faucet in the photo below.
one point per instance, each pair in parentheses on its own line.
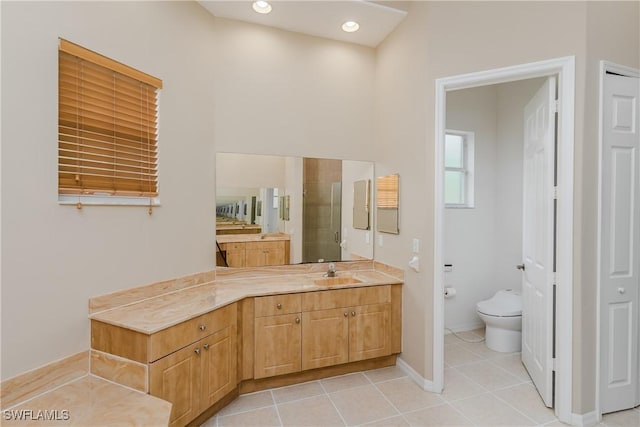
(332,270)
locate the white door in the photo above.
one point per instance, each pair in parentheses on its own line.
(538,238)
(619,244)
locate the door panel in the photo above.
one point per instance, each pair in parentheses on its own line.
(277,345)
(619,245)
(219,367)
(369,332)
(325,338)
(538,227)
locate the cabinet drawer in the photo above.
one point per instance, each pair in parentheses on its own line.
(324,300)
(277,304)
(174,338)
(264,245)
(233,246)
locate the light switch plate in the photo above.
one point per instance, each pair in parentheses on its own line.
(416,246)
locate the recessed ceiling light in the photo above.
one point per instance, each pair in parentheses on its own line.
(350,26)
(261,6)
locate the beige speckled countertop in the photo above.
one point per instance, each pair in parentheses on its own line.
(155,314)
(90,401)
(243,238)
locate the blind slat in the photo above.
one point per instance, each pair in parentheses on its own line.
(107,133)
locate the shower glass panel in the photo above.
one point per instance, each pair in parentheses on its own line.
(321,210)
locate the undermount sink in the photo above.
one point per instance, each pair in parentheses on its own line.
(334,281)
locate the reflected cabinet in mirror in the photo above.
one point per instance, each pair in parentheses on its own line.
(387,204)
(273,210)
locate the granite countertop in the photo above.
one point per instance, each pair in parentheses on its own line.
(155,314)
(90,401)
(243,238)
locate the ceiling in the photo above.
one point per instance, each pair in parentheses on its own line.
(319,18)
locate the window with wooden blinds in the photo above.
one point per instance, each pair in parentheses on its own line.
(387,194)
(107,126)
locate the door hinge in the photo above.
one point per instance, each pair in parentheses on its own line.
(555,278)
(554,364)
(554,106)
(555,193)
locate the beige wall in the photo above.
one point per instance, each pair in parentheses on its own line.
(440,39)
(228,87)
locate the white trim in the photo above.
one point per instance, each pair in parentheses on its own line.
(630,72)
(585,420)
(565,69)
(66,199)
(423,383)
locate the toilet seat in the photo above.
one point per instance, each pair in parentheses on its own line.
(506,303)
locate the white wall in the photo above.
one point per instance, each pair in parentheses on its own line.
(248,171)
(228,87)
(484,244)
(470,234)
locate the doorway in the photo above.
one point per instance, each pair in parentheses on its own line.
(564,70)
(618,240)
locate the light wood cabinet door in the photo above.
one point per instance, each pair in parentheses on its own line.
(369,331)
(277,345)
(219,361)
(325,338)
(176,379)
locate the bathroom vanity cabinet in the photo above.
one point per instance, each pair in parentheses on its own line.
(254,250)
(252,343)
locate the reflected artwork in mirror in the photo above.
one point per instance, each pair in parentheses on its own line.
(273,210)
(387,204)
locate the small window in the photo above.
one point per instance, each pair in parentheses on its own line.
(107,130)
(458,175)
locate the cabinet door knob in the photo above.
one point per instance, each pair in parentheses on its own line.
(297,320)
(202,327)
(353,314)
(197,351)
(279,306)
(621,290)
(346,314)
(206,346)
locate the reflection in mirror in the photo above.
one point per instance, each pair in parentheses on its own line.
(387,204)
(278,210)
(361,196)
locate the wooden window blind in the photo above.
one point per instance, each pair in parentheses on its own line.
(107,126)
(387,193)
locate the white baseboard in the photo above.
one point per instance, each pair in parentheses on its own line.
(415,377)
(463,327)
(585,420)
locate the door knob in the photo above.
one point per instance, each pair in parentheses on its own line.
(346,314)
(297,320)
(520,267)
(202,327)
(621,290)
(279,306)
(197,351)
(206,346)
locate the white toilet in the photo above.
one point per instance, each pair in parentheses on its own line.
(502,313)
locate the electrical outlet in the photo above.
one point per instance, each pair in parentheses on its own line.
(448,268)
(416,246)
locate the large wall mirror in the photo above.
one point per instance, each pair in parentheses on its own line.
(273,210)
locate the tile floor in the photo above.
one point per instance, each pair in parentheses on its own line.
(482,388)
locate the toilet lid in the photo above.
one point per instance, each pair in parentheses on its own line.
(503,303)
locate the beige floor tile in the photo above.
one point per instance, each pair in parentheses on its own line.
(344,382)
(481,349)
(247,402)
(362,405)
(513,364)
(479,332)
(442,415)
(314,411)
(298,391)
(451,339)
(265,417)
(486,410)
(526,399)
(489,375)
(454,355)
(385,374)
(211,422)
(406,396)
(397,421)
(629,418)
(458,386)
